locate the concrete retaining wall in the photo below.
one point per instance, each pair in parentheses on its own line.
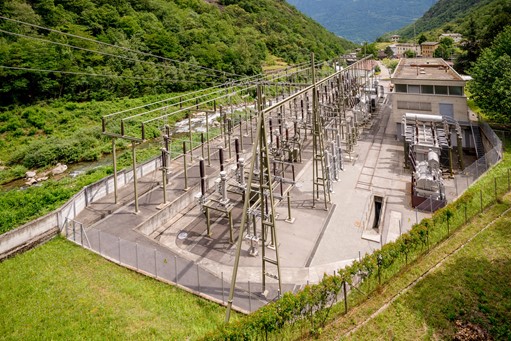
(48,226)
(166,214)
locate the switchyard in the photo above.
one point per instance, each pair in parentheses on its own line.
(279,179)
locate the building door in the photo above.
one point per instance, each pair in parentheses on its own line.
(446,109)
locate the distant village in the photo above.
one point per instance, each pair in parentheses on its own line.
(424,49)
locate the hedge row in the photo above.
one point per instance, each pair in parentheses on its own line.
(311,306)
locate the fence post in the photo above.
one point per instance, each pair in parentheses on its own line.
(481,199)
(508,183)
(345,297)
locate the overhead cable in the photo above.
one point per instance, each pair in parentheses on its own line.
(120,47)
(98,74)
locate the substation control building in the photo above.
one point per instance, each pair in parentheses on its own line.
(430,115)
(429,86)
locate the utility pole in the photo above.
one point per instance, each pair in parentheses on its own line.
(318,156)
(265,202)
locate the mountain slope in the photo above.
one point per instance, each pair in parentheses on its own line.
(363,20)
(443,12)
(234,36)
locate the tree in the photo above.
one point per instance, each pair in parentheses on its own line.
(388,52)
(445,49)
(368,49)
(422,38)
(410,54)
(491,82)
(470,48)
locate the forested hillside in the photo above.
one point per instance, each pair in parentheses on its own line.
(479,21)
(234,36)
(454,15)
(363,20)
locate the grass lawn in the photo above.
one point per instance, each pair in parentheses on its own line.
(470,294)
(61,291)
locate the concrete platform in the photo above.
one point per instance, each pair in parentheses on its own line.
(317,241)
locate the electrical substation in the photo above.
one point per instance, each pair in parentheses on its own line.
(265,184)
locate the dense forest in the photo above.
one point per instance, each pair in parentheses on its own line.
(135,48)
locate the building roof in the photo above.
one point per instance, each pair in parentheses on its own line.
(451,35)
(425,68)
(430,43)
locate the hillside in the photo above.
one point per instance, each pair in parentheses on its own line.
(488,17)
(363,20)
(479,21)
(234,36)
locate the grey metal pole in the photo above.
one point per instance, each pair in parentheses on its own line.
(207,138)
(115,170)
(134,156)
(185,166)
(245,208)
(289,218)
(164,174)
(190,134)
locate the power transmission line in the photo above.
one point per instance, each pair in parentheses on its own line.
(94,51)
(97,74)
(120,47)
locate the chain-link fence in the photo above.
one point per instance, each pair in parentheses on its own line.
(471,173)
(164,265)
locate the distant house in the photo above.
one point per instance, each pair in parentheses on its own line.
(403,47)
(428,48)
(454,36)
(350,58)
(395,38)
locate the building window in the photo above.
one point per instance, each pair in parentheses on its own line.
(441,90)
(427,89)
(420,106)
(400,87)
(456,91)
(414,89)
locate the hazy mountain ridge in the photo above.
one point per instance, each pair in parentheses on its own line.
(363,20)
